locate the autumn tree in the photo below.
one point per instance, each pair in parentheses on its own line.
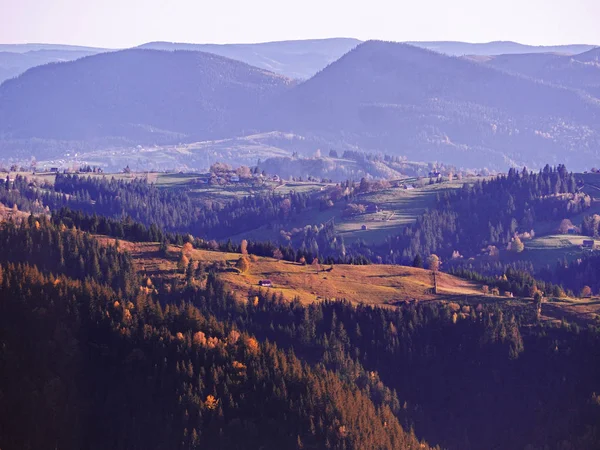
(586,291)
(243,264)
(538,297)
(316,265)
(183,263)
(517,245)
(433,263)
(244,247)
(187,249)
(277,254)
(565,226)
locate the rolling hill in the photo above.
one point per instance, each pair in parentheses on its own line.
(580,71)
(379,97)
(404,100)
(141,95)
(373,284)
(294,59)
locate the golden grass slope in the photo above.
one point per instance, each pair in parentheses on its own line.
(373,284)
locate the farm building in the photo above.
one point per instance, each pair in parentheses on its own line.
(372,208)
(588,244)
(364,228)
(265,283)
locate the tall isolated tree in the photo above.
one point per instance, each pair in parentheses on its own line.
(183,263)
(433,262)
(316,265)
(277,254)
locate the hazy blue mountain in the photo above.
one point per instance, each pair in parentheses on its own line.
(16,62)
(404,100)
(294,59)
(497,48)
(592,55)
(144,96)
(388,97)
(575,71)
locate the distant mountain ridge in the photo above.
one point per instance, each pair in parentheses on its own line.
(400,99)
(580,71)
(300,59)
(379,97)
(457,48)
(294,59)
(139,95)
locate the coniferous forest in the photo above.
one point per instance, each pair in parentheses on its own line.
(96,355)
(261,242)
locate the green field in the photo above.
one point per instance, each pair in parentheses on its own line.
(548,250)
(397,208)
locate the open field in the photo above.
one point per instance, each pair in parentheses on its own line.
(573,310)
(398,207)
(9,213)
(384,285)
(547,250)
(374,284)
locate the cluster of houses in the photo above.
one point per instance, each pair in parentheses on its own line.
(233,177)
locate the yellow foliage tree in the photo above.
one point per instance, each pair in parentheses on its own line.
(187,249)
(182,263)
(252,345)
(243,264)
(211,402)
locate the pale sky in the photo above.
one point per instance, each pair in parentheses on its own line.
(126,23)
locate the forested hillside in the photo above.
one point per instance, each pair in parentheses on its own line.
(384,97)
(404,100)
(493,213)
(85,366)
(193,365)
(169,209)
(140,96)
(580,71)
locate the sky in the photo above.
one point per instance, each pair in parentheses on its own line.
(126,23)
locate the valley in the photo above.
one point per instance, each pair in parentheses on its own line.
(332,243)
